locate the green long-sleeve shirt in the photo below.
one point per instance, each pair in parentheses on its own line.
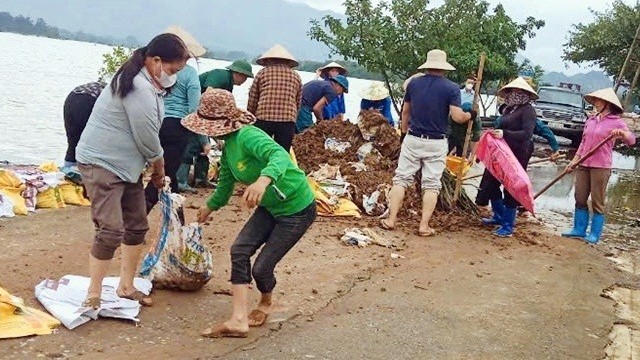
(250,153)
(217,79)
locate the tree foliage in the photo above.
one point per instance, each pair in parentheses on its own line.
(606,41)
(112,61)
(393,37)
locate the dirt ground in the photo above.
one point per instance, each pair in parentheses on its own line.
(458,295)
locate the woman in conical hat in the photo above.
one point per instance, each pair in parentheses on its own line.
(336,108)
(593,174)
(376,97)
(517,125)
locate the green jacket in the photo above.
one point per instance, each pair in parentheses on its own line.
(457,132)
(250,153)
(217,79)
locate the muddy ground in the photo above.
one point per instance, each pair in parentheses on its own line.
(458,295)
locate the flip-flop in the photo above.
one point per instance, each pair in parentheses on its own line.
(259,316)
(431,232)
(93,303)
(139,296)
(221,331)
(385,226)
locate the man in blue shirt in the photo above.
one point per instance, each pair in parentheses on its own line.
(316,94)
(428,102)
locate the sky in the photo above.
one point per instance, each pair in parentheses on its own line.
(546,48)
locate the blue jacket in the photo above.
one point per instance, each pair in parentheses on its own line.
(540,130)
(334,108)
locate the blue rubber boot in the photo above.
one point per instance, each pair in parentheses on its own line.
(580,224)
(508,223)
(597,224)
(497,206)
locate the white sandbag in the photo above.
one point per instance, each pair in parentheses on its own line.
(63,299)
(178,260)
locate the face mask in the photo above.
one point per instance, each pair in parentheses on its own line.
(166,81)
(468,86)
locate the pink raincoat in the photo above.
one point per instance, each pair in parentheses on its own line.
(498,158)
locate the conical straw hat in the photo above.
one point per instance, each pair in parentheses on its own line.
(333,64)
(608,95)
(193,46)
(518,83)
(278,52)
(376,91)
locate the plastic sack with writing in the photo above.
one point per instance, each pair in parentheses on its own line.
(178,260)
(499,160)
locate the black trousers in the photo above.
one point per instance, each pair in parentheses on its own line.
(174,139)
(76,111)
(281,131)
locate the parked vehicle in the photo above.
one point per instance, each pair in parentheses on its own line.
(563,109)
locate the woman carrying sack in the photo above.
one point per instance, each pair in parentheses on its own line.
(122,135)
(593,174)
(517,125)
(284,202)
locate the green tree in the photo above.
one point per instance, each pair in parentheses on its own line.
(112,61)
(393,37)
(605,42)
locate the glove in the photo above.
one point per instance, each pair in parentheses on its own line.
(467,107)
(474,114)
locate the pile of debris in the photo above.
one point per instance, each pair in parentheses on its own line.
(367,156)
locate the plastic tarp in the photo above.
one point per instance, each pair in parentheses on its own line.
(18,320)
(500,161)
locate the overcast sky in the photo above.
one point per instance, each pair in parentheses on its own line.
(546,48)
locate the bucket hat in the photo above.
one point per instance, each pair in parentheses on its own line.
(608,95)
(217,115)
(376,91)
(342,81)
(278,52)
(193,46)
(436,59)
(518,83)
(241,67)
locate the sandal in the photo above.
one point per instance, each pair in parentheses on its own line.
(427,233)
(93,303)
(258,317)
(139,296)
(385,226)
(221,331)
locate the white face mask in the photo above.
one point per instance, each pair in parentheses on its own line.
(166,81)
(468,86)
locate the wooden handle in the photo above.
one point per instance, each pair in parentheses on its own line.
(531,163)
(582,159)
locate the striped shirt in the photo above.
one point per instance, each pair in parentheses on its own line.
(275,94)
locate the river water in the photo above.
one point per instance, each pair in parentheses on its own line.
(37,75)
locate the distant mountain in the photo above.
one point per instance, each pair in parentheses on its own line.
(251,26)
(590,81)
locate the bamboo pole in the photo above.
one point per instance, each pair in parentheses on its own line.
(566,171)
(627,99)
(539,161)
(627,59)
(467,137)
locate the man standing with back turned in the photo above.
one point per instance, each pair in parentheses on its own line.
(428,102)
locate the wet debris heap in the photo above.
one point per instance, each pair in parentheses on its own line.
(369,163)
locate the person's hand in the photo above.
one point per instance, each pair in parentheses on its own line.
(253,194)
(497,133)
(157,178)
(474,114)
(619,133)
(203,214)
(555,156)
(206,149)
(570,167)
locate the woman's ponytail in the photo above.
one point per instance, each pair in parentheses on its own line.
(122,82)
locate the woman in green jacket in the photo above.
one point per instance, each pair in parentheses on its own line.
(284,202)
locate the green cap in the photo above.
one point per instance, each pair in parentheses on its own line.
(241,67)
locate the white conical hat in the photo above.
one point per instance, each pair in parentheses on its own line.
(193,46)
(436,59)
(376,91)
(608,95)
(519,83)
(341,69)
(278,52)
